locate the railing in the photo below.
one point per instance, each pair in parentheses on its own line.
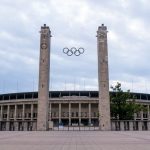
(18,125)
(75,128)
(130,125)
(116,125)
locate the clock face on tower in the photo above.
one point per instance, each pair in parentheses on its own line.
(102,35)
(43,45)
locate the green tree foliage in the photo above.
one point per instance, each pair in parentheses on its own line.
(123,105)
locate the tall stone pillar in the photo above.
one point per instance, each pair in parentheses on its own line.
(44,67)
(103,79)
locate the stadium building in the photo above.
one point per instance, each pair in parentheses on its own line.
(68,110)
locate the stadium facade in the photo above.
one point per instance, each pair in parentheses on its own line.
(68,110)
(74,110)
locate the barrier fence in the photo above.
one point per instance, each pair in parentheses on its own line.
(116,125)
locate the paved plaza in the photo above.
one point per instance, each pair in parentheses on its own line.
(75,140)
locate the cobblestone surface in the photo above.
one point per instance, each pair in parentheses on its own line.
(75,140)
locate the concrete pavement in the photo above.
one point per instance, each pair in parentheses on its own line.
(75,140)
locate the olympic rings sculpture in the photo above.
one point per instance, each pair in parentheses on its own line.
(74,51)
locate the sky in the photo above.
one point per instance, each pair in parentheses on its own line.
(74,23)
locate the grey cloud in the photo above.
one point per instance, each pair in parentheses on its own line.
(128,55)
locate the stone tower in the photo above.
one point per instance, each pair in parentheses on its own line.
(103,79)
(44,67)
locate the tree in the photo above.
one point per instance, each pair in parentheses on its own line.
(123,104)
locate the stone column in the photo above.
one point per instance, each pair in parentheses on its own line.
(59,113)
(25,126)
(135,116)
(15,118)
(7,126)
(8,112)
(44,67)
(148,112)
(113,126)
(15,113)
(69,114)
(34,126)
(148,125)
(141,114)
(148,115)
(79,114)
(103,79)
(50,111)
(16,125)
(1,112)
(8,123)
(130,125)
(90,114)
(140,125)
(32,109)
(122,125)
(23,111)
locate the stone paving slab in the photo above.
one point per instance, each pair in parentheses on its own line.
(75,140)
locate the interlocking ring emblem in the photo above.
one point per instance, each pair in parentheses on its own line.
(74,51)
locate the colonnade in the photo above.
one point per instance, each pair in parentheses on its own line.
(73,111)
(23,116)
(18,116)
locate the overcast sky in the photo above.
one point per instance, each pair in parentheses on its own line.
(74,23)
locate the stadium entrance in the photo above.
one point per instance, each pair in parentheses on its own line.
(75,125)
